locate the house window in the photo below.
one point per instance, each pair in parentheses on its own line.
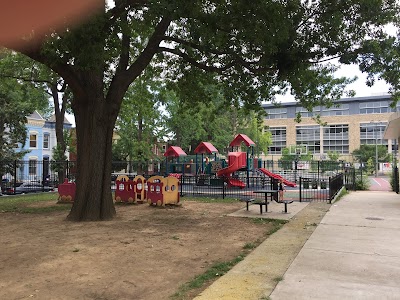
(46,141)
(32,166)
(33,140)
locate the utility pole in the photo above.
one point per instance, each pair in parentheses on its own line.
(376,146)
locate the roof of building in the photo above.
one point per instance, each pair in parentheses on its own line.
(174,151)
(35,116)
(205,147)
(392,130)
(342,100)
(53,119)
(242,138)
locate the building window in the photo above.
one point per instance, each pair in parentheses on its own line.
(372,133)
(33,140)
(278,140)
(46,141)
(277,113)
(336,138)
(340,110)
(395,146)
(310,136)
(304,113)
(32,166)
(378,107)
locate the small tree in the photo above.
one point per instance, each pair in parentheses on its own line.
(287,159)
(60,162)
(370,165)
(333,155)
(365,152)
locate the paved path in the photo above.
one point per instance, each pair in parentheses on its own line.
(256,276)
(353,254)
(380,184)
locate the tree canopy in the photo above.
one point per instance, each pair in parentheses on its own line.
(140,124)
(17,100)
(365,152)
(253,49)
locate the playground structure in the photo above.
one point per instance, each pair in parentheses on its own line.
(162,190)
(131,191)
(204,148)
(209,170)
(238,161)
(174,153)
(66,191)
(276,176)
(156,190)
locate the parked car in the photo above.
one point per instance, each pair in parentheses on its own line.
(29,187)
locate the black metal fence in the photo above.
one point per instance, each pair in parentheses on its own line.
(314,189)
(33,175)
(350,177)
(312,179)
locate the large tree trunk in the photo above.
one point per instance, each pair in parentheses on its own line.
(94,129)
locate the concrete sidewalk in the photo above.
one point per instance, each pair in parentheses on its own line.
(354,253)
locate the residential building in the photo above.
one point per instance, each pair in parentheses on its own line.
(41,139)
(348,124)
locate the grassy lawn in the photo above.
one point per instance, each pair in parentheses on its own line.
(31,203)
(38,203)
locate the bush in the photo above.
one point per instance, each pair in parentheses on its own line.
(392,180)
(362,183)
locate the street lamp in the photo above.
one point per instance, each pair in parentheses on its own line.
(376,157)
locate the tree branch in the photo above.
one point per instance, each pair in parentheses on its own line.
(195,63)
(195,46)
(125,45)
(123,78)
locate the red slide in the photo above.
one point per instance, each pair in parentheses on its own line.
(237,161)
(276,176)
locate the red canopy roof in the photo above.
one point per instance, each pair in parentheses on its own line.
(174,151)
(205,147)
(242,138)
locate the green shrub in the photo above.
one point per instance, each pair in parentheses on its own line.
(362,183)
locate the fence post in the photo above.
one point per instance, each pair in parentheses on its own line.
(300,189)
(330,190)
(15,176)
(182,182)
(223,189)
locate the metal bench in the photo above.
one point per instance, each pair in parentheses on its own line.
(247,200)
(285,202)
(262,203)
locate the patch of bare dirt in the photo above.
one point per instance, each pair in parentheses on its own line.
(145,253)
